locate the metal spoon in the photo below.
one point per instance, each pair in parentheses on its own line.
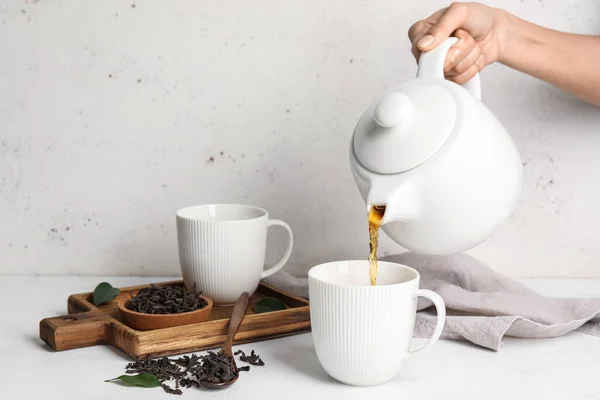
(239,311)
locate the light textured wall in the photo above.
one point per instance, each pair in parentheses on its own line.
(114,114)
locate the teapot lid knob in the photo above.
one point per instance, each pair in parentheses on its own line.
(405,127)
(392,110)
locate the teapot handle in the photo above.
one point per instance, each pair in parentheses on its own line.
(431,65)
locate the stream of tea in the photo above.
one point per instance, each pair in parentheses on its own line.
(375,218)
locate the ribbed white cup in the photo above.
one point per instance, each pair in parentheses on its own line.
(222,249)
(363,333)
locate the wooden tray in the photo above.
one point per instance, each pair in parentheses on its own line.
(88,325)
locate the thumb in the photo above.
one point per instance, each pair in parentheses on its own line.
(443,26)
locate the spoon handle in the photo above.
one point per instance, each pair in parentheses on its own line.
(239,311)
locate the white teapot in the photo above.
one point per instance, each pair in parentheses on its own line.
(445,168)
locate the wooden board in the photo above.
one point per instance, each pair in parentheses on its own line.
(88,325)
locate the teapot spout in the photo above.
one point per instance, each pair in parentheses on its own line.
(401,205)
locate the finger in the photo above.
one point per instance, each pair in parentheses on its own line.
(419,29)
(465,64)
(460,50)
(469,73)
(440,29)
(415,33)
(416,30)
(415,52)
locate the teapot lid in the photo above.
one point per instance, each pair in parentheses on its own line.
(406,127)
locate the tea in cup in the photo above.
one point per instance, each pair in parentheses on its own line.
(363,333)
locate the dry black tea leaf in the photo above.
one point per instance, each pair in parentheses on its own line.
(173,374)
(170,390)
(143,379)
(268,304)
(253,358)
(166,300)
(103,293)
(216,368)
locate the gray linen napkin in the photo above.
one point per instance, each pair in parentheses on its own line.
(482,305)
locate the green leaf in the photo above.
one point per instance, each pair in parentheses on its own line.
(104,293)
(145,379)
(268,304)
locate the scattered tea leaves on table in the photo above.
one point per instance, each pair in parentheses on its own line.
(170,390)
(103,293)
(144,379)
(268,304)
(253,358)
(173,374)
(166,300)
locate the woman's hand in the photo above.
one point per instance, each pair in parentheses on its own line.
(486,35)
(480,33)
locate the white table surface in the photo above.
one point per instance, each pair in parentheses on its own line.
(562,368)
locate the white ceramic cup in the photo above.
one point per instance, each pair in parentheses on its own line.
(222,249)
(363,333)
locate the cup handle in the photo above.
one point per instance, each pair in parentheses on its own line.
(440,307)
(288,251)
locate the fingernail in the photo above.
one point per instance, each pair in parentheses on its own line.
(450,61)
(425,41)
(454,55)
(481,61)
